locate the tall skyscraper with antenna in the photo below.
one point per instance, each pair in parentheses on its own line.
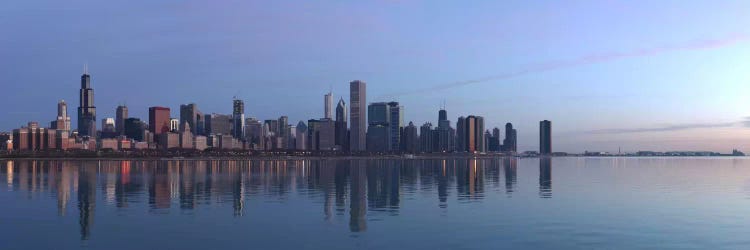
(86,109)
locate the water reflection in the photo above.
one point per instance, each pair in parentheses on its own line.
(545,177)
(510,167)
(359,186)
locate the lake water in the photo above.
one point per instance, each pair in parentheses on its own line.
(454,203)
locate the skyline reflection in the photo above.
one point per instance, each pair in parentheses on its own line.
(545,177)
(359,185)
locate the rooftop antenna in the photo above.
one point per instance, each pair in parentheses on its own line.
(85,68)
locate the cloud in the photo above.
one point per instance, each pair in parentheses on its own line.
(677,127)
(704,44)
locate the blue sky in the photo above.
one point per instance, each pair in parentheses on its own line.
(641,75)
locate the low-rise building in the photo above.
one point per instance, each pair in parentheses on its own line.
(199,143)
(169,140)
(108,143)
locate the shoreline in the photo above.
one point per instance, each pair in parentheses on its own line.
(347,157)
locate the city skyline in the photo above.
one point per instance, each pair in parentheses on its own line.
(594,87)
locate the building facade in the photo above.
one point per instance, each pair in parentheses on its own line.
(192,115)
(395,126)
(238,119)
(358,115)
(342,131)
(121,113)
(86,108)
(545,137)
(158,120)
(328,105)
(218,124)
(378,127)
(411,138)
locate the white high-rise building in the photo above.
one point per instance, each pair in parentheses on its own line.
(358,115)
(328,103)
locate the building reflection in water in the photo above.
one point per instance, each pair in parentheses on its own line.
(87,170)
(510,168)
(9,174)
(358,200)
(356,187)
(545,177)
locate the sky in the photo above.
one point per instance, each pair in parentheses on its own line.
(610,75)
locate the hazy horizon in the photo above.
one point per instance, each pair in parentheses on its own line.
(635,75)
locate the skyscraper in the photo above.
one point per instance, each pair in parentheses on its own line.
(120,116)
(86,109)
(108,125)
(396,124)
(378,127)
(301,142)
(444,141)
(342,132)
(481,141)
(461,134)
(174,125)
(192,115)
(510,142)
(426,142)
(471,134)
(320,135)
(328,105)
(134,128)
(358,115)
(218,124)
(493,141)
(158,120)
(545,137)
(284,131)
(411,138)
(62,122)
(238,119)
(254,133)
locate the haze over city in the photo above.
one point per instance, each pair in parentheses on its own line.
(609,74)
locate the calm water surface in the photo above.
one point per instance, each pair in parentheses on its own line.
(559,203)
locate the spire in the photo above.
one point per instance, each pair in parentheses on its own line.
(85,68)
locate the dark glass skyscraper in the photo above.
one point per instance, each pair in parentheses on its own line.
(134,128)
(396,124)
(342,132)
(444,141)
(121,115)
(545,137)
(86,109)
(510,142)
(461,134)
(411,138)
(190,114)
(238,119)
(378,129)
